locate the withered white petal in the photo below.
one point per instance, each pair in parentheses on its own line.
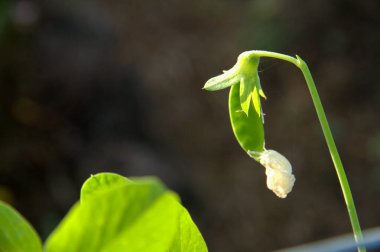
(279,172)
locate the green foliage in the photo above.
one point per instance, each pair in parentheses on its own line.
(16,235)
(114,214)
(118,214)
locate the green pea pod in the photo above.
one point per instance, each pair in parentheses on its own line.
(248,130)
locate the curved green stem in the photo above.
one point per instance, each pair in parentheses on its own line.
(329,140)
(275,55)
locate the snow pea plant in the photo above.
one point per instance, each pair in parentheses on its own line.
(247,120)
(114,214)
(140,214)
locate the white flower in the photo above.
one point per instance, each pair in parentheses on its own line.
(279,172)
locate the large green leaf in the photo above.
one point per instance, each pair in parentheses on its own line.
(118,214)
(16,235)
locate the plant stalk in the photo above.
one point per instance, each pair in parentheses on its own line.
(329,140)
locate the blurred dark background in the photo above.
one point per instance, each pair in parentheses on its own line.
(91,86)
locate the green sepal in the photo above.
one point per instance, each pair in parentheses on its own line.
(246,89)
(225,80)
(261,92)
(250,90)
(256,101)
(248,130)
